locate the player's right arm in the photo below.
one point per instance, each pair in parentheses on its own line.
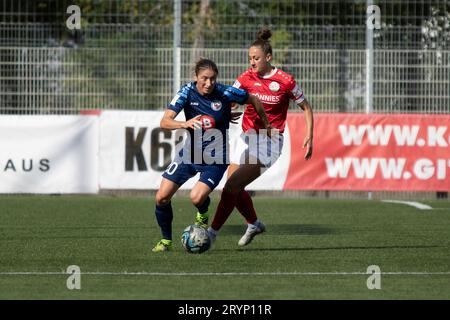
(168,121)
(174,108)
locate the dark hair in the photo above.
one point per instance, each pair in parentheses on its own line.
(204,63)
(262,40)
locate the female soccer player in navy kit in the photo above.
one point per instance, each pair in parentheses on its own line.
(275,88)
(199,98)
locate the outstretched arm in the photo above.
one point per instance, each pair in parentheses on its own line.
(168,121)
(308,141)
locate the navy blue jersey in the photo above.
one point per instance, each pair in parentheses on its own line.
(217,104)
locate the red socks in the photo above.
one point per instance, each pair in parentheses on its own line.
(242,201)
(245,206)
(224,209)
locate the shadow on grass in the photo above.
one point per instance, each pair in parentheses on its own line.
(281,229)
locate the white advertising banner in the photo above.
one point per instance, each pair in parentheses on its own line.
(135,151)
(49,154)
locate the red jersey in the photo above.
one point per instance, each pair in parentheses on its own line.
(274,90)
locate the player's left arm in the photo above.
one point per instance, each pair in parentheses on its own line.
(308,141)
(242,96)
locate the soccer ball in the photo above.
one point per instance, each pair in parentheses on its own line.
(195,239)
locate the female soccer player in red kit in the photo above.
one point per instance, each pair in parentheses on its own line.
(254,150)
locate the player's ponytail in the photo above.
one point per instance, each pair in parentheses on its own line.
(262,40)
(264,34)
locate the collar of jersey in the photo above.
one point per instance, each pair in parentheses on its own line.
(267,76)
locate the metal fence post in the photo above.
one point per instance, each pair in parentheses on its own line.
(369,71)
(176,46)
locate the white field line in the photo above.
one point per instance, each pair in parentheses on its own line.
(178,274)
(414,204)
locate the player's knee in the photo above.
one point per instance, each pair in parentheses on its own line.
(197,198)
(161,199)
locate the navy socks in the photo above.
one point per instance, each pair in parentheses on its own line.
(203,208)
(164,216)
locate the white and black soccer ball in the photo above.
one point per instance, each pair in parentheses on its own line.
(195,239)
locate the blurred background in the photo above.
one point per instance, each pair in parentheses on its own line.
(135,54)
(123,55)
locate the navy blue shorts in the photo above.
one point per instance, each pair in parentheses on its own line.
(179,173)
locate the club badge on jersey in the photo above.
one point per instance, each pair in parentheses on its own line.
(216,105)
(274,86)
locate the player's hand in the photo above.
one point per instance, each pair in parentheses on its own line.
(235,115)
(308,144)
(270,130)
(193,123)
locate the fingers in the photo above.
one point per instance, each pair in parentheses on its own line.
(235,117)
(308,153)
(308,145)
(195,123)
(269,129)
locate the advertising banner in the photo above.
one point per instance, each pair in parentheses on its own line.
(48,154)
(135,151)
(393,152)
(128,150)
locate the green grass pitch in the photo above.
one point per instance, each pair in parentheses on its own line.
(313,249)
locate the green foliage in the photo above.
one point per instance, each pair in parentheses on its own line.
(281,40)
(118,70)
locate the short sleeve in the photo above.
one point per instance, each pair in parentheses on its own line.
(237,84)
(240,81)
(237,95)
(179,101)
(296,93)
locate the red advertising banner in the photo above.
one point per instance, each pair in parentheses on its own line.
(392,152)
